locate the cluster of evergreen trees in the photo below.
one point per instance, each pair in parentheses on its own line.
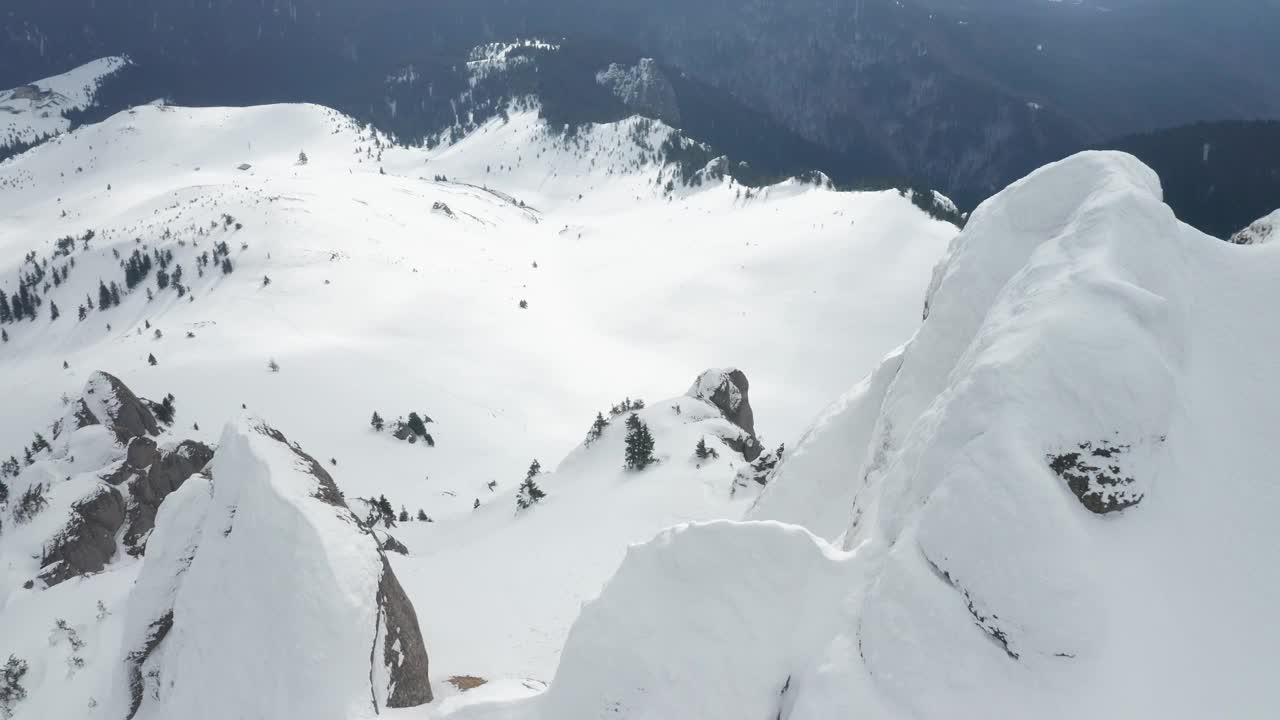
(639,444)
(381,512)
(412,430)
(21,307)
(627,405)
(136,269)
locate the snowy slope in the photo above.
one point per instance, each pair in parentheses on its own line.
(35,111)
(1062,499)
(379,302)
(395,280)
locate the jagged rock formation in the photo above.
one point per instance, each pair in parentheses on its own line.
(727,389)
(126,497)
(88,541)
(165,473)
(108,401)
(353,647)
(644,88)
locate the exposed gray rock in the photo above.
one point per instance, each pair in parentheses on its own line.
(404,651)
(407,667)
(644,88)
(388,543)
(166,472)
(88,541)
(327,490)
(156,633)
(113,404)
(1104,487)
(142,451)
(1261,231)
(728,390)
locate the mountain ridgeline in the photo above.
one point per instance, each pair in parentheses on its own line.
(870,92)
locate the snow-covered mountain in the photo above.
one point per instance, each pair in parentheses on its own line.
(308,424)
(485,297)
(1057,500)
(35,111)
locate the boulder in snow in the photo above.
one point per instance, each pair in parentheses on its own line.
(727,390)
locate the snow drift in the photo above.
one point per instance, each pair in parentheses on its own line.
(1058,496)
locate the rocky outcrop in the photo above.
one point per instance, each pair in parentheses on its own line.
(1260,231)
(110,402)
(643,88)
(727,389)
(404,654)
(230,548)
(166,471)
(88,542)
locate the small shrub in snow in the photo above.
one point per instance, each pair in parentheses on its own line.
(627,405)
(30,504)
(702,452)
(273,366)
(11,690)
(597,428)
(376,422)
(151,359)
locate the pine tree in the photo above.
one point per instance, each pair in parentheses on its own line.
(226,266)
(104,296)
(639,451)
(164,412)
(82,313)
(151,359)
(6,315)
(476,506)
(404,514)
(4,335)
(115,294)
(377,422)
(701,449)
(273,366)
(387,512)
(530,494)
(597,427)
(422,516)
(53,310)
(265,281)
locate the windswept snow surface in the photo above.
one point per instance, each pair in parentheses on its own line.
(399,293)
(34,111)
(1075,314)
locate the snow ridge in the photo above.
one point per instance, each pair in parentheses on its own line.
(1021,478)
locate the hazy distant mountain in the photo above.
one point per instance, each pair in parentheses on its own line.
(963,96)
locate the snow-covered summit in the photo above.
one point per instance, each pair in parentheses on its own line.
(1018,484)
(35,111)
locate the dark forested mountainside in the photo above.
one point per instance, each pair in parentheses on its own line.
(1219,176)
(962,96)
